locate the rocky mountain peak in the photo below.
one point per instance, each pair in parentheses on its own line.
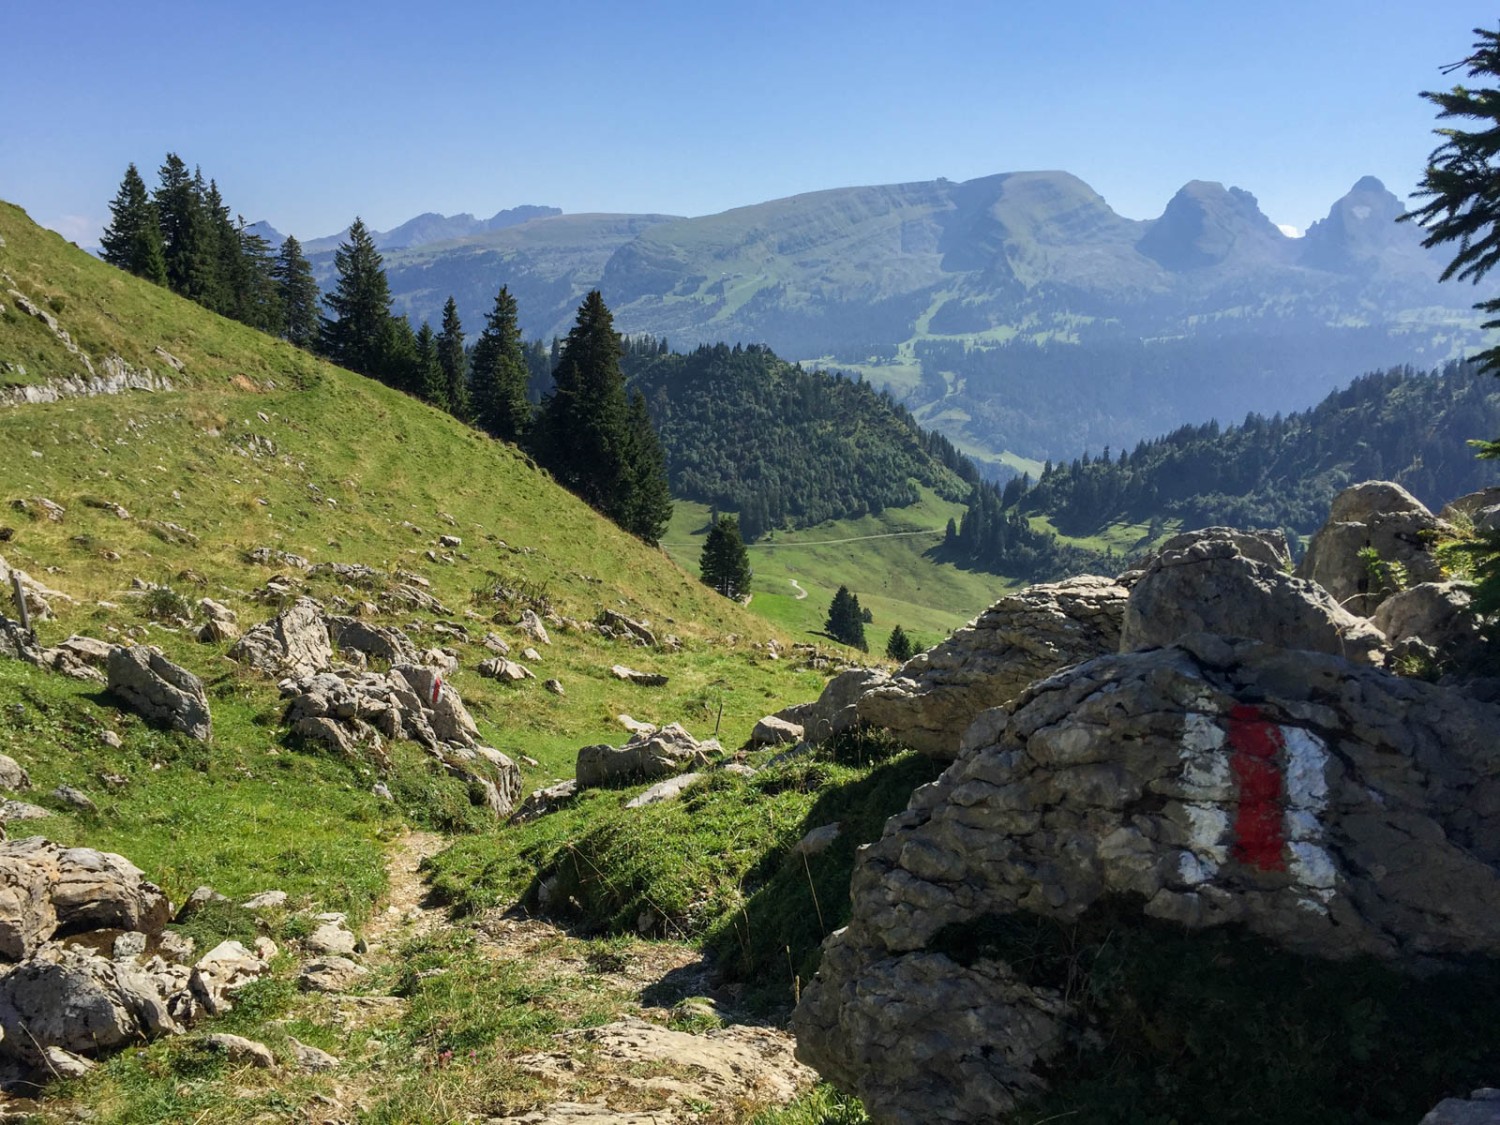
(1206,223)
(1361,232)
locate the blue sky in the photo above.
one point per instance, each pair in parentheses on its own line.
(308,113)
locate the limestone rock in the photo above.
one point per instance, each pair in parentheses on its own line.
(1431,617)
(1471,505)
(78,1001)
(312,1059)
(332,937)
(637,631)
(1218,782)
(161,692)
(531,625)
(819,840)
(1024,637)
(294,642)
(22,810)
(773,731)
(661,753)
(546,800)
(266,900)
(222,972)
(555,687)
(668,790)
(77,798)
(241,1051)
(330,974)
(1266,545)
(1380,517)
(506,671)
(39,597)
(630,675)
(12,776)
(1482,1107)
(221,624)
(1209,587)
(275,557)
(382,642)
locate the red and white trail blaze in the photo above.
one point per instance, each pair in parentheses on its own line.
(1258,806)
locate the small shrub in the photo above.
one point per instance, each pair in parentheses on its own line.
(162,603)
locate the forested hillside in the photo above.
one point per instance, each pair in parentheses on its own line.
(1402,425)
(784,446)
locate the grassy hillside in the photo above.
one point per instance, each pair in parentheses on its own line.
(263,446)
(881,558)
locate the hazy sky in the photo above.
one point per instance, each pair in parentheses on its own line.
(308,113)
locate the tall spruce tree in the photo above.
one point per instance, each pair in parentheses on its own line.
(356,333)
(499,372)
(431,383)
(725,563)
(298,294)
(846,620)
(451,358)
(178,209)
(647,506)
(132,241)
(899,646)
(582,429)
(257,300)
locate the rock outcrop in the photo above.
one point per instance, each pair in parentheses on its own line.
(160,691)
(1208,586)
(293,643)
(1332,809)
(1023,637)
(647,756)
(1372,528)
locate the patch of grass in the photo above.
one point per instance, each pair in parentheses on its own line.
(822,1105)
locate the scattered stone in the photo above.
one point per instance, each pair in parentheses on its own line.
(819,840)
(532,626)
(638,631)
(160,691)
(222,623)
(196,901)
(65,1064)
(663,753)
(630,675)
(274,557)
(496,644)
(668,790)
(506,671)
(332,937)
(531,654)
(74,798)
(312,1059)
(555,687)
(266,900)
(330,974)
(221,973)
(772,731)
(22,810)
(546,800)
(242,1051)
(117,510)
(450,541)
(634,726)
(12,776)
(294,642)
(169,532)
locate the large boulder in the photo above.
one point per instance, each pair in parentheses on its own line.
(660,753)
(382,642)
(833,711)
(1378,537)
(78,1001)
(1432,623)
(47,889)
(1210,587)
(1265,545)
(1023,637)
(160,691)
(1333,810)
(293,643)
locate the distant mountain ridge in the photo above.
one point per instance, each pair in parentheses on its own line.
(964,299)
(425,228)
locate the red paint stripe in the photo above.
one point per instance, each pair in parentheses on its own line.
(1259,834)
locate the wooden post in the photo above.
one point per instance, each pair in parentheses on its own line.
(15,582)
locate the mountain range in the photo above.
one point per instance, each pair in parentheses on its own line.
(1017,313)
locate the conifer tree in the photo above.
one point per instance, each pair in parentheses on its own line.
(581,436)
(298,294)
(132,241)
(431,383)
(725,563)
(258,299)
(178,211)
(399,356)
(899,646)
(499,372)
(355,335)
(845,622)
(647,505)
(450,350)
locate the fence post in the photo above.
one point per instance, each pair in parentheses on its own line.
(15,582)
